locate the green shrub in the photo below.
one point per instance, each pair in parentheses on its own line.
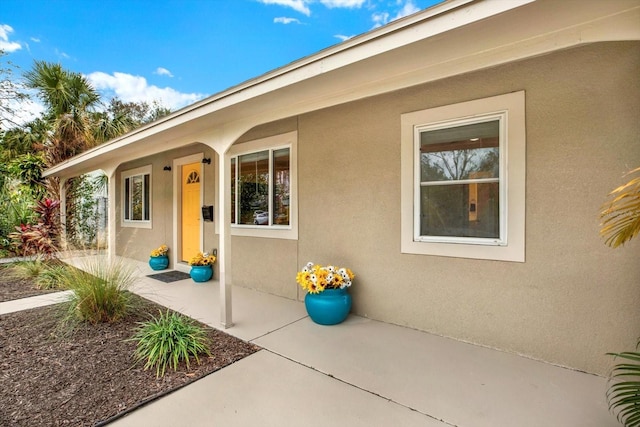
(169,339)
(41,239)
(100,290)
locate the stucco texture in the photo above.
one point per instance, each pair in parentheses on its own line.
(574,299)
(570,302)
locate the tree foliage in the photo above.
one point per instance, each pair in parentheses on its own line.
(11,93)
(75,120)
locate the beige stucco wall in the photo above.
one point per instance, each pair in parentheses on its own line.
(135,242)
(573,300)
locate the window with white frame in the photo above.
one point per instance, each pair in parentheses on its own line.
(136,197)
(263,182)
(463,179)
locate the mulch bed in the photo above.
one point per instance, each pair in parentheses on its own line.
(12,287)
(50,376)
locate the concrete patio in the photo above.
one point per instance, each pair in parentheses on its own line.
(359,373)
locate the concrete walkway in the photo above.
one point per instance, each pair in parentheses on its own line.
(359,373)
(33,302)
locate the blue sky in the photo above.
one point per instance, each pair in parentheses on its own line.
(177,52)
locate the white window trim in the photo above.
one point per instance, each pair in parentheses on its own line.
(286,140)
(123,176)
(501,117)
(512,183)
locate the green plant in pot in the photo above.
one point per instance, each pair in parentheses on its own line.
(621,223)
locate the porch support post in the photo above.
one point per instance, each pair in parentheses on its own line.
(111,215)
(63,213)
(224,255)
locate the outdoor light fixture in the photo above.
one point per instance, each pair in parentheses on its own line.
(167,168)
(206,160)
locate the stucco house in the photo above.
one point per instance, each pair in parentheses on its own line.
(455,160)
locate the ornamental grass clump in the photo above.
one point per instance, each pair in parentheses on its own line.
(316,278)
(45,273)
(169,339)
(52,276)
(100,290)
(30,269)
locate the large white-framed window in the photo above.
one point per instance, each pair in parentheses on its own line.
(136,197)
(463,179)
(264,187)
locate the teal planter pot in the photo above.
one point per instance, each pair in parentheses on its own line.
(201,273)
(329,307)
(159,262)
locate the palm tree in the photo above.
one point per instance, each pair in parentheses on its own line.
(76,120)
(70,101)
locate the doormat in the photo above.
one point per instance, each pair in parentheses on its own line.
(170,276)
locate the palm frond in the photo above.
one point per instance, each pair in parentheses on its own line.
(621,215)
(623,395)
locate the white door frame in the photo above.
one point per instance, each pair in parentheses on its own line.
(177,203)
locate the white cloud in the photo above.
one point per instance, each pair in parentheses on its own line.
(35,39)
(408,9)
(24,111)
(284,20)
(62,54)
(342,3)
(297,5)
(161,71)
(302,6)
(379,19)
(382,18)
(130,88)
(5,44)
(342,37)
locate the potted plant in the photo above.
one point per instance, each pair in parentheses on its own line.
(202,267)
(327,300)
(158,258)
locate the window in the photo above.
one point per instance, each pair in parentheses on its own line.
(263,187)
(136,197)
(463,176)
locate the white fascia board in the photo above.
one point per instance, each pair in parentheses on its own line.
(443,33)
(438,19)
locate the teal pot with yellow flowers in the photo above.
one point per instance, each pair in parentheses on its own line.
(201,273)
(328,307)
(159,262)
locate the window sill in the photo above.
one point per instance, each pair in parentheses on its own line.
(136,224)
(288,233)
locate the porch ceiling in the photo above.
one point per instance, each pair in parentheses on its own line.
(455,37)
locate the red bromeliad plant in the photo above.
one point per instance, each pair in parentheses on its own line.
(42,238)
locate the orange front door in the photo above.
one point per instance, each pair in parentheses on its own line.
(190,210)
